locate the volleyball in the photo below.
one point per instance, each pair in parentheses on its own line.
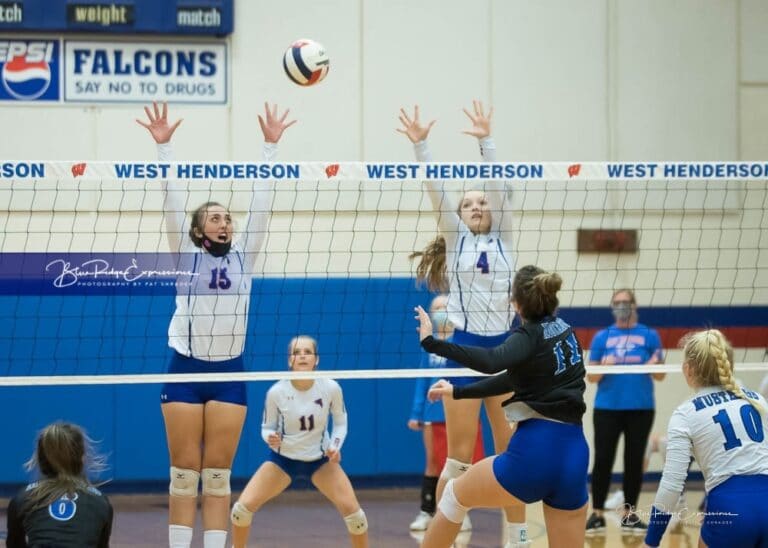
(306,62)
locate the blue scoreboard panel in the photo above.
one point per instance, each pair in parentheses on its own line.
(198,17)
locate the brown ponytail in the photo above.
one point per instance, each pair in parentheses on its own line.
(432,267)
(535,292)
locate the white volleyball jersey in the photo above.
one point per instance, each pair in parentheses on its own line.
(726,435)
(213,293)
(480,267)
(211,314)
(301,418)
(480,272)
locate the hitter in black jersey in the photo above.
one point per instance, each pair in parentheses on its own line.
(547,458)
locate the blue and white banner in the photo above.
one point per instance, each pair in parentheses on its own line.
(141,72)
(376,171)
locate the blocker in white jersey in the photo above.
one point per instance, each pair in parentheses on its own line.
(295,425)
(479,260)
(207,333)
(471,258)
(212,299)
(724,427)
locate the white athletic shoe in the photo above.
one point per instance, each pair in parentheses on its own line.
(525,544)
(615,500)
(466,525)
(421,522)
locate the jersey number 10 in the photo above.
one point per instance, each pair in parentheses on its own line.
(753,424)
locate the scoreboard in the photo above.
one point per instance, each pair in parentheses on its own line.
(186,17)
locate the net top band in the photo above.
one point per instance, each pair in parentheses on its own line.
(401,171)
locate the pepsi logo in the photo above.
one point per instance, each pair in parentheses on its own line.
(27,72)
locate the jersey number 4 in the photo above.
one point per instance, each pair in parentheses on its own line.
(482,263)
(219,279)
(568,355)
(753,425)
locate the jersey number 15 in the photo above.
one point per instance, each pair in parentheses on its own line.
(219,279)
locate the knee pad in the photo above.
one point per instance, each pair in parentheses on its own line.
(240,515)
(357,523)
(216,482)
(454,468)
(450,506)
(183,482)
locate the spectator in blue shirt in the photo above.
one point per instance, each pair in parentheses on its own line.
(624,404)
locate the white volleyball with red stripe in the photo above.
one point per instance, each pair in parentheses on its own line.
(306,62)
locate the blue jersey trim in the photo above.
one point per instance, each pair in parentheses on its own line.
(458,281)
(189,303)
(509,280)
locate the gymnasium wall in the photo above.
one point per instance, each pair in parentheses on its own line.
(595,80)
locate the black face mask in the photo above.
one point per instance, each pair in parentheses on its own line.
(217,249)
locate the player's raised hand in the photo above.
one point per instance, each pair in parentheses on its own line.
(425,323)
(158,123)
(481,123)
(274,440)
(273,124)
(442,389)
(412,127)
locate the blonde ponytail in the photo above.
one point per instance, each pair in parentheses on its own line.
(710,356)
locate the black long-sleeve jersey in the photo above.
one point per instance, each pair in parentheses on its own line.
(81,521)
(541,362)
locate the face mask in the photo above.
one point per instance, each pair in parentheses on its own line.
(217,249)
(439,319)
(622,312)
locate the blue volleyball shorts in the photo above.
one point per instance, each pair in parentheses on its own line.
(546,461)
(202,392)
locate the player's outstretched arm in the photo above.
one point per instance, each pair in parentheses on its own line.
(495,191)
(442,202)
(273,124)
(162,132)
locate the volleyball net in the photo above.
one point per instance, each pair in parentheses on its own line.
(89,281)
